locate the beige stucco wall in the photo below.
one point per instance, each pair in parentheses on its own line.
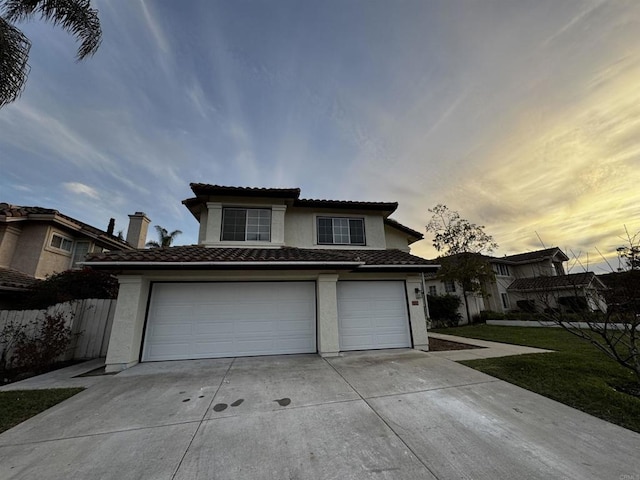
(128,326)
(300,228)
(394,238)
(29,249)
(9,236)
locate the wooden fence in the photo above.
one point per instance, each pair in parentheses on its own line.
(90,321)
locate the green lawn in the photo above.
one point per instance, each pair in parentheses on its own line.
(19,405)
(576,374)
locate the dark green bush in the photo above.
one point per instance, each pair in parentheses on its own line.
(443,310)
(70,285)
(38,351)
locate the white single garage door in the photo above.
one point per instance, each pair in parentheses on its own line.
(372,315)
(210,320)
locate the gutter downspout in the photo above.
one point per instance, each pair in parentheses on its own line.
(424,298)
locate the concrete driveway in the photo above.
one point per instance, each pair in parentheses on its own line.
(397,414)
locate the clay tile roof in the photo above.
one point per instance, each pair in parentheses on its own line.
(14,280)
(235,257)
(555,282)
(17,211)
(346,204)
(537,255)
(206,189)
(403,228)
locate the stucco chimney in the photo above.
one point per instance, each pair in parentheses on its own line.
(137,231)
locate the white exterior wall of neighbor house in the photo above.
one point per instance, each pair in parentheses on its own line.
(126,338)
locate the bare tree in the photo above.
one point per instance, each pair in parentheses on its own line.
(608,318)
(75,16)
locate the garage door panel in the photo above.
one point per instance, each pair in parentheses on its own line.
(372,315)
(211,320)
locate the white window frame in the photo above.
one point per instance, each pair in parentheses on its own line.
(74,255)
(339,230)
(247,226)
(433,290)
(449,286)
(502,269)
(63,239)
(505,300)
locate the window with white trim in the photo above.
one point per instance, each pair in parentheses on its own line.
(449,286)
(61,243)
(246,224)
(433,291)
(79,253)
(340,231)
(505,300)
(501,269)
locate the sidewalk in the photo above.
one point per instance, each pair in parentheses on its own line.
(489,350)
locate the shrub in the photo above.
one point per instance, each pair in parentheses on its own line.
(50,340)
(70,285)
(528,306)
(443,310)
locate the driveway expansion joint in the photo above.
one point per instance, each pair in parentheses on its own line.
(201,421)
(97,434)
(383,420)
(447,387)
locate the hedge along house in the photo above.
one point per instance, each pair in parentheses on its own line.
(272,274)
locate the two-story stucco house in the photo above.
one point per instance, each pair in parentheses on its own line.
(524,281)
(36,242)
(271,274)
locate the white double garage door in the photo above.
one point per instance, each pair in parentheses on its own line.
(220,319)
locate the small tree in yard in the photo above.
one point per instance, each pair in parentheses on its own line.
(462,244)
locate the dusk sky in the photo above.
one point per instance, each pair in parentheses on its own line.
(522,115)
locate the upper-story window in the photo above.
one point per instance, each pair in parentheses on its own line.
(79,253)
(449,286)
(246,224)
(501,269)
(61,243)
(340,231)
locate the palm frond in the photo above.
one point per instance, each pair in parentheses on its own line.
(14,70)
(75,16)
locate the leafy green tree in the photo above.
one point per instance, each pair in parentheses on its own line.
(165,239)
(75,16)
(462,244)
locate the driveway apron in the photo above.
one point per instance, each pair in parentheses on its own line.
(396,414)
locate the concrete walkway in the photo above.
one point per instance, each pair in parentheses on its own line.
(488,350)
(395,414)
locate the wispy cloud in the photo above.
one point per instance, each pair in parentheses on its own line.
(81,189)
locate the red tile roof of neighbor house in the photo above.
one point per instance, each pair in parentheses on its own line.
(189,256)
(11,279)
(536,255)
(9,211)
(554,282)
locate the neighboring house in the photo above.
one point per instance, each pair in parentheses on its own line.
(272,274)
(537,276)
(36,242)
